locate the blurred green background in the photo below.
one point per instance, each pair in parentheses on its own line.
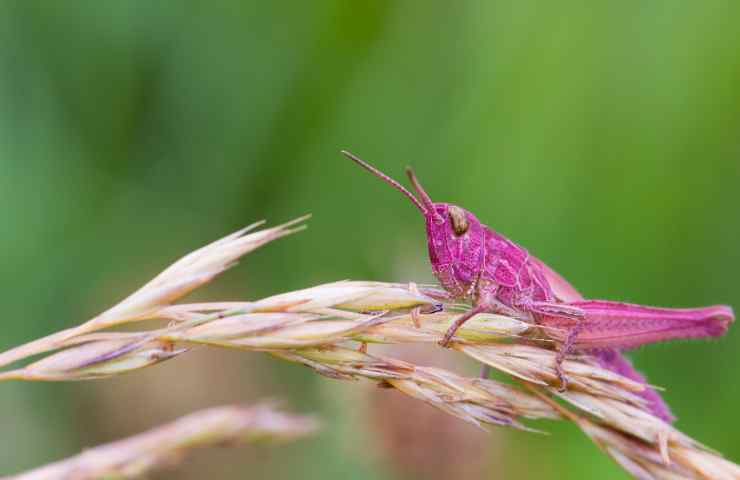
(605,137)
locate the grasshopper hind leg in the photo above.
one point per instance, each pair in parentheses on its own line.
(563,352)
(567,312)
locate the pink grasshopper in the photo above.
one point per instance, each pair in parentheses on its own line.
(473,262)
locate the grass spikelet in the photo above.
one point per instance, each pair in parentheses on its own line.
(137,456)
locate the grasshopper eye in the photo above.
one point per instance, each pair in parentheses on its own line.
(459,220)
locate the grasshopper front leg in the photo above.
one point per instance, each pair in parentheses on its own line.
(479,308)
(485,301)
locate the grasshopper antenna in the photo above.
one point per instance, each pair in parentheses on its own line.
(426,200)
(428,203)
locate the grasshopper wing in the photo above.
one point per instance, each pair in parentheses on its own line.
(563,290)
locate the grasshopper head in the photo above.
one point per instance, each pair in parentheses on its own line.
(454,235)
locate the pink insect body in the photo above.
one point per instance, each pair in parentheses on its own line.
(473,262)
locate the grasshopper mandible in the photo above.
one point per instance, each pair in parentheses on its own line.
(473,262)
